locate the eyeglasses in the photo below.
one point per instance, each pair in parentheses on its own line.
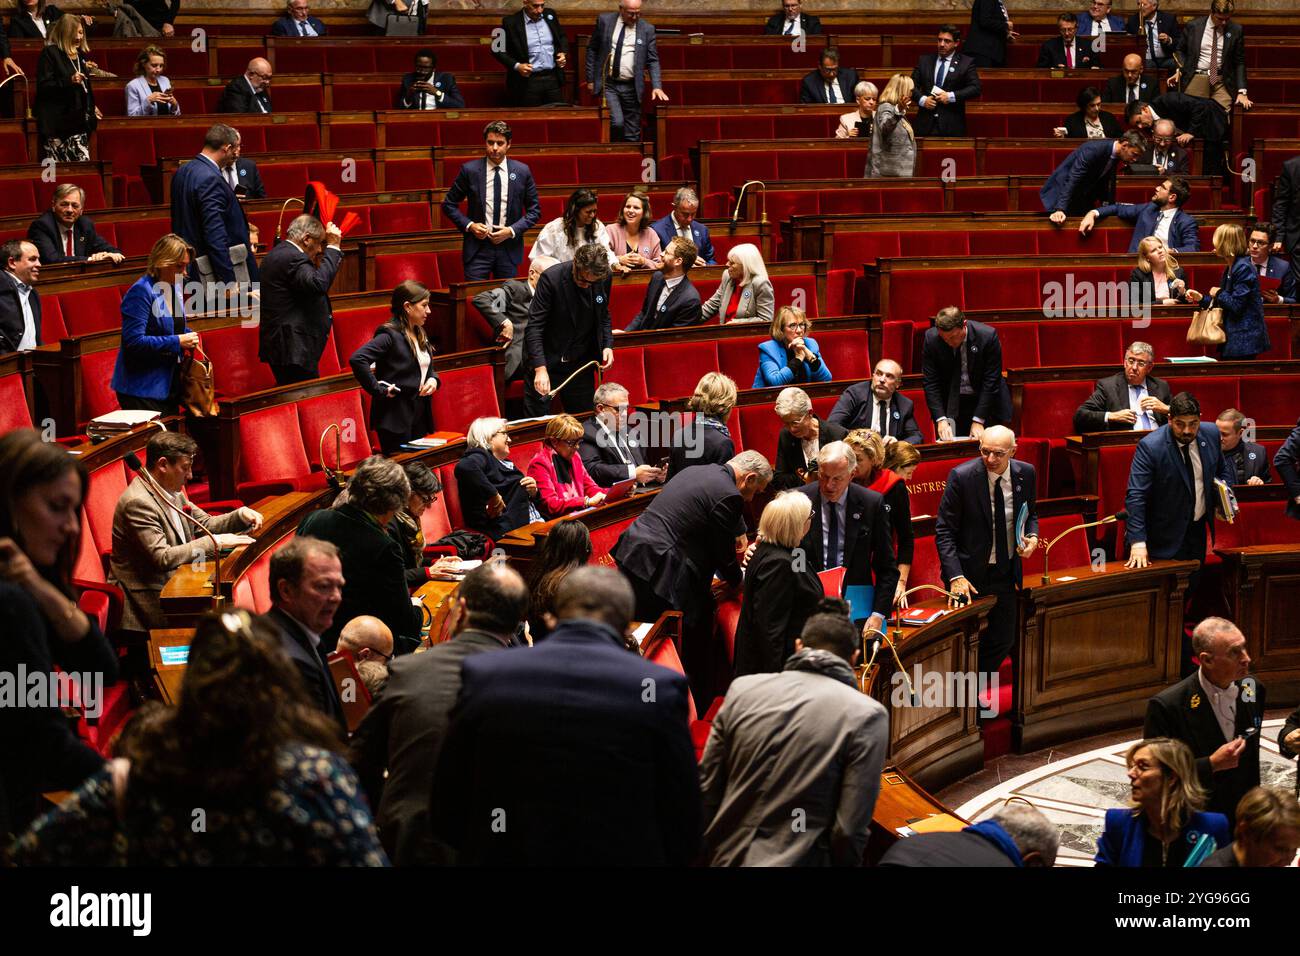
(994,453)
(797,326)
(798,421)
(569,442)
(1137,362)
(427,499)
(1257,242)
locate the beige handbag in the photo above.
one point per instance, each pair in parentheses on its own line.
(1207,327)
(197,388)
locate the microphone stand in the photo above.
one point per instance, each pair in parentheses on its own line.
(279,223)
(1047,548)
(332,476)
(735,216)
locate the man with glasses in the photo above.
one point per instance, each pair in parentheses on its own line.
(608,451)
(534,55)
(1130,400)
(1098,19)
(981,539)
(1164,153)
(621,50)
(792,22)
(1282,284)
(568,332)
(249,92)
(877,404)
(370,643)
(830,82)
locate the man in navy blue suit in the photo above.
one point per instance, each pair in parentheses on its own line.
(502,206)
(207,214)
(830,82)
(1098,19)
(961,372)
(1287,463)
(681,222)
(670,298)
(297,22)
(1159,33)
(1258,243)
(876,404)
(976,536)
(1163,217)
(573,753)
(622,48)
(426,89)
(1087,176)
(958,79)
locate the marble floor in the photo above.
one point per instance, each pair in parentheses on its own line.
(1075,785)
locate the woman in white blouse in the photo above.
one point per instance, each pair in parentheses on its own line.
(150,93)
(560,238)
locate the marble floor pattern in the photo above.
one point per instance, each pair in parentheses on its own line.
(1076,791)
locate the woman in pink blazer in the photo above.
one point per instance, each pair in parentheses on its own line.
(562,480)
(634,242)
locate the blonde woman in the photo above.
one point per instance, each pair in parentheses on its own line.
(745,294)
(1156,267)
(1239,297)
(65,108)
(707,440)
(857,124)
(632,239)
(790,356)
(1165,817)
(780,592)
(562,480)
(893,144)
(874,475)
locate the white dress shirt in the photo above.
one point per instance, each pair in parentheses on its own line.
(303,28)
(28,341)
(496,204)
(256,101)
(1223,701)
(1163,222)
(683,231)
(833,92)
(1008,505)
(792,28)
(613,442)
(1135,395)
(1203,59)
(623,69)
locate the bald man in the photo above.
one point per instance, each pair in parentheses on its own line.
(250,92)
(1130,85)
(370,643)
(876,404)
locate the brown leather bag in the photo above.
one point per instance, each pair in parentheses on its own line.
(1207,327)
(198,392)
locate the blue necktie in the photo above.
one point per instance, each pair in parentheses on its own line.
(496,195)
(999,522)
(302,28)
(833,536)
(789,27)
(1144,420)
(943,71)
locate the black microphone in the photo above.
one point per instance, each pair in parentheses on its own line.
(1121,515)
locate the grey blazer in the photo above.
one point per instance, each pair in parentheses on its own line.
(757,303)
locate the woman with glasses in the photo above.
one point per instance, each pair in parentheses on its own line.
(800,440)
(406,528)
(790,356)
(562,480)
(494,496)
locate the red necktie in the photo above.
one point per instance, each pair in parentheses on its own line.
(69,243)
(1069,55)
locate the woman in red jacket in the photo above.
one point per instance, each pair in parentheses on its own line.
(562,480)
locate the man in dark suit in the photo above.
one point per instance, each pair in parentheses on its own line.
(297,22)
(306,583)
(502,205)
(20,303)
(1068,51)
(1217,711)
(568,326)
(1162,217)
(622,48)
(396,747)
(976,536)
(1286,211)
(1194,116)
(1247,459)
(850,529)
(961,372)
(1217,69)
(829,83)
(245,179)
(955,75)
(506,310)
(426,89)
(296,317)
(63,234)
(534,55)
(1130,86)
(682,222)
(1016,834)
(1130,400)
(990,31)
(1159,33)
(670,298)
(1258,242)
(574,752)
(610,452)
(250,91)
(1164,153)
(792,21)
(798,443)
(1087,176)
(1098,19)
(207,214)
(876,404)
(1287,463)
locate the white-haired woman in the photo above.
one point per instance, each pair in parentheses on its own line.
(745,293)
(857,124)
(495,496)
(780,592)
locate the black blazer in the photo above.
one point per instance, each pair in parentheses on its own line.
(941,375)
(373,570)
(510,301)
(1143,279)
(480,477)
(853,409)
(402,734)
(62,108)
(157,12)
(296,313)
(813,89)
(1183,713)
(686,535)
(898,505)
(1052,54)
(46,233)
(21,26)
(1177,161)
(963,531)
(1111,395)
(1166,23)
(987,35)
(1287,463)
(1232,63)
(552,336)
(11,313)
(445,83)
(682,307)
(789,454)
(962,78)
(240,98)
(1116,90)
(1292,724)
(396,364)
(1075,128)
(868,543)
(1286,205)
(516,49)
(712,446)
(1203,118)
(779,596)
(312,664)
(1248,460)
(601,459)
(775,25)
(250,180)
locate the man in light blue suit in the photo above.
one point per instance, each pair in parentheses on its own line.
(622,48)
(1163,217)
(1087,176)
(207,214)
(681,222)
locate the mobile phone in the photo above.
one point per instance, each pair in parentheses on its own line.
(812,467)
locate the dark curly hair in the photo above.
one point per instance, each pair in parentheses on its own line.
(579,200)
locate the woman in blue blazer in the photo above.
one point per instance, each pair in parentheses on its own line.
(1238,296)
(790,357)
(1164,823)
(154,338)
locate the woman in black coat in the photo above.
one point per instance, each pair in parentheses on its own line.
(779,592)
(403,378)
(495,496)
(32,19)
(65,108)
(799,441)
(708,437)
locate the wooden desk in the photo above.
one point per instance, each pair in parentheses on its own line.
(901,802)
(1263,586)
(168,675)
(1094,649)
(523,543)
(436,598)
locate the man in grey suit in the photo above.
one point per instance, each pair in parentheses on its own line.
(404,730)
(150,540)
(295,306)
(506,310)
(1130,400)
(622,48)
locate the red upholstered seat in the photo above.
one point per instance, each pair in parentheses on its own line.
(236,369)
(927,484)
(17,198)
(253,590)
(103,490)
(393,269)
(1269,399)
(1112,477)
(925,566)
(896,343)
(271,448)
(1071,552)
(839,291)
(90,182)
(435,521)
(1168,337)
(916,295)
(1019,344)
(920,199)
(91,310)
(1048,408)
(451,494)
(135,237)
(14,412)
(920,411)
(759,428)
(845,353)
(338,408)
(665,655)
(738,358)
(1082,342)
(949,244)
(353,328)
(628,370)
(794,290)
(1215,393)
(624,303)
(284,179)
(97,396)
(463,395)
(672,371)
(400,217)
